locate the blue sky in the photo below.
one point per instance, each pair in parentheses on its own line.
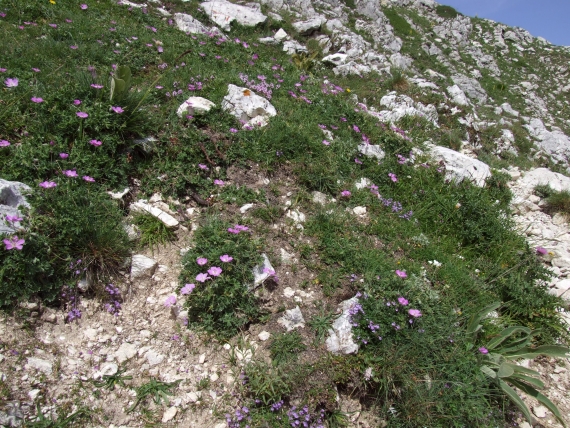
(547,18)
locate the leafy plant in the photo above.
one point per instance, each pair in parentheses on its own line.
(500,353)
(321,323)
(83,414)
(110,381)
(286,347)
(120,83)
(446,11)
(156,389)
(153,231)
(305,61)
(556,201)
(266,382)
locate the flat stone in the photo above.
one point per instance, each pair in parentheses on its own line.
(167,219)
(292,319)
(359,210)
(43,366)
(460,167)
(372,151)
(262,272)
(245,105)
(125,352)
(142,266)
(457,95)
(154,357)
(195,106)
(264,335)
(223,13)
(188,24)
(169,414)
(539,411)
(340,339)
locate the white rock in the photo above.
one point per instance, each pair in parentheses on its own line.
(154,357)
(43,366)
(293,47)
(262,272)
(292,319)
(319,198)
(399,106)
(288,292)
(245,105)
(11,197)
(508,109)
(460,167)
(223,13)
(188,24)
(471,87)
(109,369)
(539,411)
(169,414)
(457,95)
(142,207)
(193,396)
(336,59)
(246,208)
(33,394)
(142,266)
(372,151)
(359,210)
(280,35)
(296,215)
(561,289)
(120,194)
(309,26)
(340,336)
(195,106)
(125,352)
(543,176)
(264,335)
(214,377)
(286,258)
(363,183)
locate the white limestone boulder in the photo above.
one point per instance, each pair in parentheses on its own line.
(223,13)
(195,106)
(460,167)
(143,207)
(245,105)
(142,266)
(189,24)
(307,27)
(292,319)
(457,95)
(11,198)
(340,339)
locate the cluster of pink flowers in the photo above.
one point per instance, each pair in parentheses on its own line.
(214,271)
(237,229)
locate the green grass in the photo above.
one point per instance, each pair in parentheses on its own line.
(153,232)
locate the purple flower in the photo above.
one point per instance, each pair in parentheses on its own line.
(37,100)
(326,143)
(202,277)
(541,251)
(95,143)
(73,47)
(89,179)
(345,193)
(355,128)
(82,114)
(63,155)
(215,271)
(14,243)
(401,273)
(357,161)
(204,167)
(160,49)
(96,86)
(53,25)
(393,177)
(77,102)
(416,313)
(483,350)
(218,182)
(70,173)
(117,109)
(48,184)
(226,259)
(11,82)
(170,301)
(233,130)
(83,6)
(4,143)
(13,218)
(37,70)
(402,301)
(343,119)
(187,289)
(201,261)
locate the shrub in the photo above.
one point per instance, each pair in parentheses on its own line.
(446,11)
(224,303)
(286,347)
(400,25)
(73,221)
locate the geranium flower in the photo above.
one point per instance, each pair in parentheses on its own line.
(73,47)
(326,143)
(14,243)
(83,6)
(226,259)
(4,143)
(170,301)
(201,261)
(11,82)
(96,86)
(416,313)
(401,273)
(483,350)
(82,114)
(218,182)
(70,173)
(47,184)
(89,179)
(393,177)
(202,277)
(37,100)
(204,167)
(13,218)
(63,155)
(402,301)
(117,109)
(215,271)
(95,143)
(187,289)
(77,102)
(37,70)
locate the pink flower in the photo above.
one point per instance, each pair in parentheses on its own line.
(96,86)
(170,301)
(541,251)
(117,109)
(393,177)
(77,102)
(82,114)
(219,182)
(11,82)
(402,301)
(343,119)
(83,6)
(14,243)
(202,277)
(13,218)
(401,273)
(215,271)
(483,350)
(204,167)
(226,259)
(63,155)
(53,25)
(416,313)
(201,261)
(187,289)
(95,143)
(37,100)
(89,179)
(357,161)
(70,173)
(345,193)
(326,143)
(355,128)
(37,70)
(4,143)
(73,47)
(48,184)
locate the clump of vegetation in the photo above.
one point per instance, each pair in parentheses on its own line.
(401,27)
(153,232)
(556,201)
(446,11)
(398,81)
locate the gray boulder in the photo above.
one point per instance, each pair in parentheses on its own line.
(459,167)
(471,87)
(246,106)
(11,198)
(223,13)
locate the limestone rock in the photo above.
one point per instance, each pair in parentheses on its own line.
(262,272)
(399,106)
(164,217)
(125,352)
(169,414)
(372,151)
(195,106)
(142,266)
(457,95)
(188,24)
(223,13)
(292,319)
(307,27)
(11,197)
(340,336)
(460,167)
(245,105)
(43,366)
(471,87)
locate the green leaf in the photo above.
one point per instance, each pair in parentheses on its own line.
(117,87)
(533,381)
(505,370)
(473,325)
(124,73)
(529,390)
(548,350)
(505,334)
(521,369)
(488,372)
(511,393)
